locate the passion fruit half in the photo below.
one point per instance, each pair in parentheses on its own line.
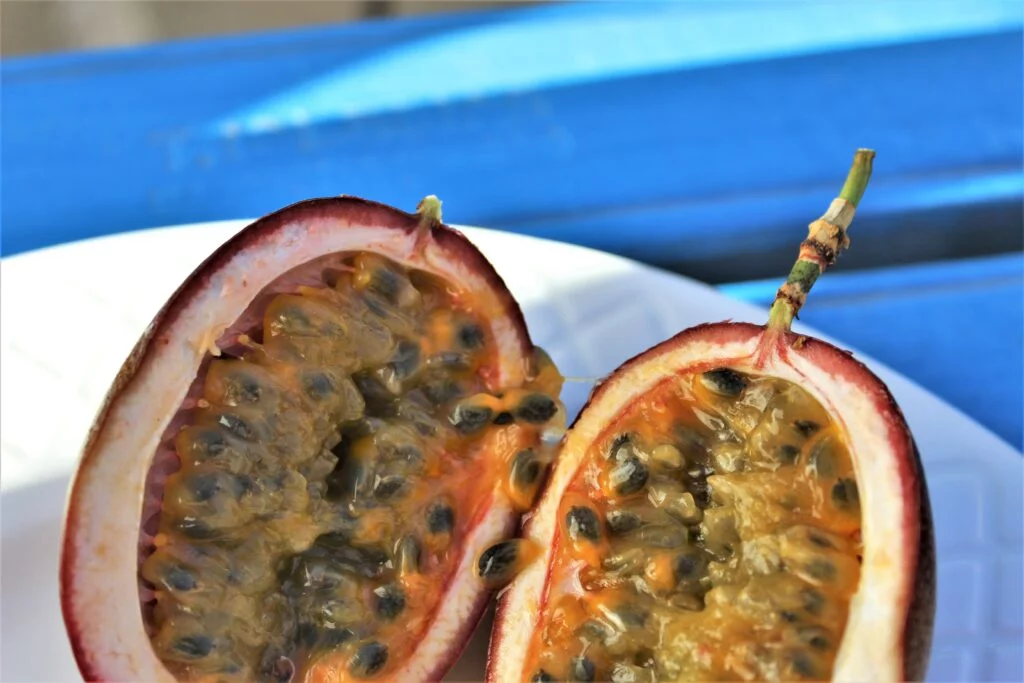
(296,470)
(739,502)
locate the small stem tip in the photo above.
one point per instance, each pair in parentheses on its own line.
(826,238)
(857,180)
(429,210)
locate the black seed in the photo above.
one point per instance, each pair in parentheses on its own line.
(333,637)
(689,566)
(526,469)
(206,485)
(813,601)
(179,579)
(441,390)
(787,454)
(787,616)
(236,426)
(819,540)
(724,381)
(194,646)
(583,669)
(620,442)
(815,636)
(371,386)
(471,336)
(209,443)
(386,282)
(369,659)
(628,475)
(806,427)
(293,320)
(701,492)
(389,487)
(691,444)
(823,570)
(504,418)
(195,529)
(468,418)
(630,616)
(622,521)
(497,564)
(823,458)
(318,385)
(404,459)
(845,495)
(307,571)
(377,306)
(440,518)
(390,601)
(242,389)
(536,408)
(542,676)
(335,550)
(583,524)
(406,358)
(803,665)
(421,417)
(594,630)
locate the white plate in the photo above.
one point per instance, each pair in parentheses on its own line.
(71,314)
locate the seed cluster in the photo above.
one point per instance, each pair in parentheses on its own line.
(328,475)
(712,534)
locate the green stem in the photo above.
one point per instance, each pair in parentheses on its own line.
(429,210)
(860,174)
(819,251)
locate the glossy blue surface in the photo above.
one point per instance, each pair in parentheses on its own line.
(548,121)
(701,136)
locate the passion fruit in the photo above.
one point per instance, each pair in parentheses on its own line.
(739,502)
(298,467)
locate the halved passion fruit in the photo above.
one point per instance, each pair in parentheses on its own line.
(736,503)
(299,465)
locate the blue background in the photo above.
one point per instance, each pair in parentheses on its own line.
(696,136)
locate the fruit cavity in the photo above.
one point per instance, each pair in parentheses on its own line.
(711,533)
(326,477)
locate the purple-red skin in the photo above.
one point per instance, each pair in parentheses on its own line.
(354,209)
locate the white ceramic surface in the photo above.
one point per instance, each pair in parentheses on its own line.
(70,314)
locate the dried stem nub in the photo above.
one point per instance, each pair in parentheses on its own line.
(826,238)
